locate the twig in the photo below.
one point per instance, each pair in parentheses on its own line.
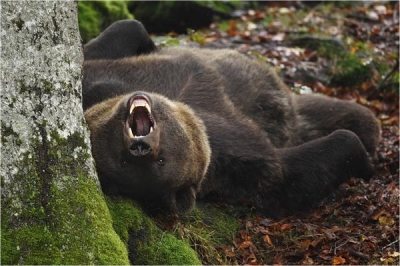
(394,242)
(396,67)
(358,254)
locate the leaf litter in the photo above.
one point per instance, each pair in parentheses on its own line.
(359,224)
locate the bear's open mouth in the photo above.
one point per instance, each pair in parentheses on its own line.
(140,120)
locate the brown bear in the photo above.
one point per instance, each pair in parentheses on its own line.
(172,124)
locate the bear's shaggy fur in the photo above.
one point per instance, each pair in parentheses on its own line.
(172,124)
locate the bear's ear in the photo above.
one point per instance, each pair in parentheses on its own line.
(123,38)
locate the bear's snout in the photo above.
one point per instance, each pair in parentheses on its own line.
(140,148)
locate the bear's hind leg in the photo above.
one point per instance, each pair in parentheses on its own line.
(314,169)
(318,116)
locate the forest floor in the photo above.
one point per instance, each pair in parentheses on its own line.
(349,51)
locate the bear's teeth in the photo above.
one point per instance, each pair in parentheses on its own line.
(148,108)
(139,103)
(130,133)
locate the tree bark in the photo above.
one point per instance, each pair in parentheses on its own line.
(53,211)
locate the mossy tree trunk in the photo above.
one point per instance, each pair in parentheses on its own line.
(53,211)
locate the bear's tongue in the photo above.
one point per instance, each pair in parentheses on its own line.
(141,124)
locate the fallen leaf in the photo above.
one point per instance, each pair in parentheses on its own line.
(244,235)
(391,121)
(372,15)
(379,214)
(229,252)
(245,244)
(278,37)
(386,220)
(325,257)
(380,9)
(254,262)
(316,242)
(304,244)
(285,227)
(268,240)
(395,254)
(307,261)
(338,260)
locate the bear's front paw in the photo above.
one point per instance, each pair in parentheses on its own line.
(181,201)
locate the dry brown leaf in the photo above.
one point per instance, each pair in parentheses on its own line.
(307,261)
(230,254)
(386,220)
(285,227)
(338,260)
(268,240)
(304,244)
(245,244)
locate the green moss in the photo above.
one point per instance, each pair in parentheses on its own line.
(92,225)
(79,231)
(346,69)
(349,70)
(208,229)
(38,241)
(220,221)
(117,10)
(147,243)
(390,79)
(7,131)
(55,214)
(94,16)
(126,214)
(89,20)
(166,250)
(197,36)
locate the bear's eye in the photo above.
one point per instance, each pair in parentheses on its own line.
(161,161)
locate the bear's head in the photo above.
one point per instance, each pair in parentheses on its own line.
(149,148)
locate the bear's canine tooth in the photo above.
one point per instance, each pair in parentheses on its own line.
(130,133)
(148,108)
(132,108)
(151,129)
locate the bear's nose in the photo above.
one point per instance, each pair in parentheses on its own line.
(140,148)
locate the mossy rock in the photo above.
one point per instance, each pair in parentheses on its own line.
(345,68)
(147,243)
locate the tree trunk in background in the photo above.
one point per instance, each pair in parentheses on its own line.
(53,211)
